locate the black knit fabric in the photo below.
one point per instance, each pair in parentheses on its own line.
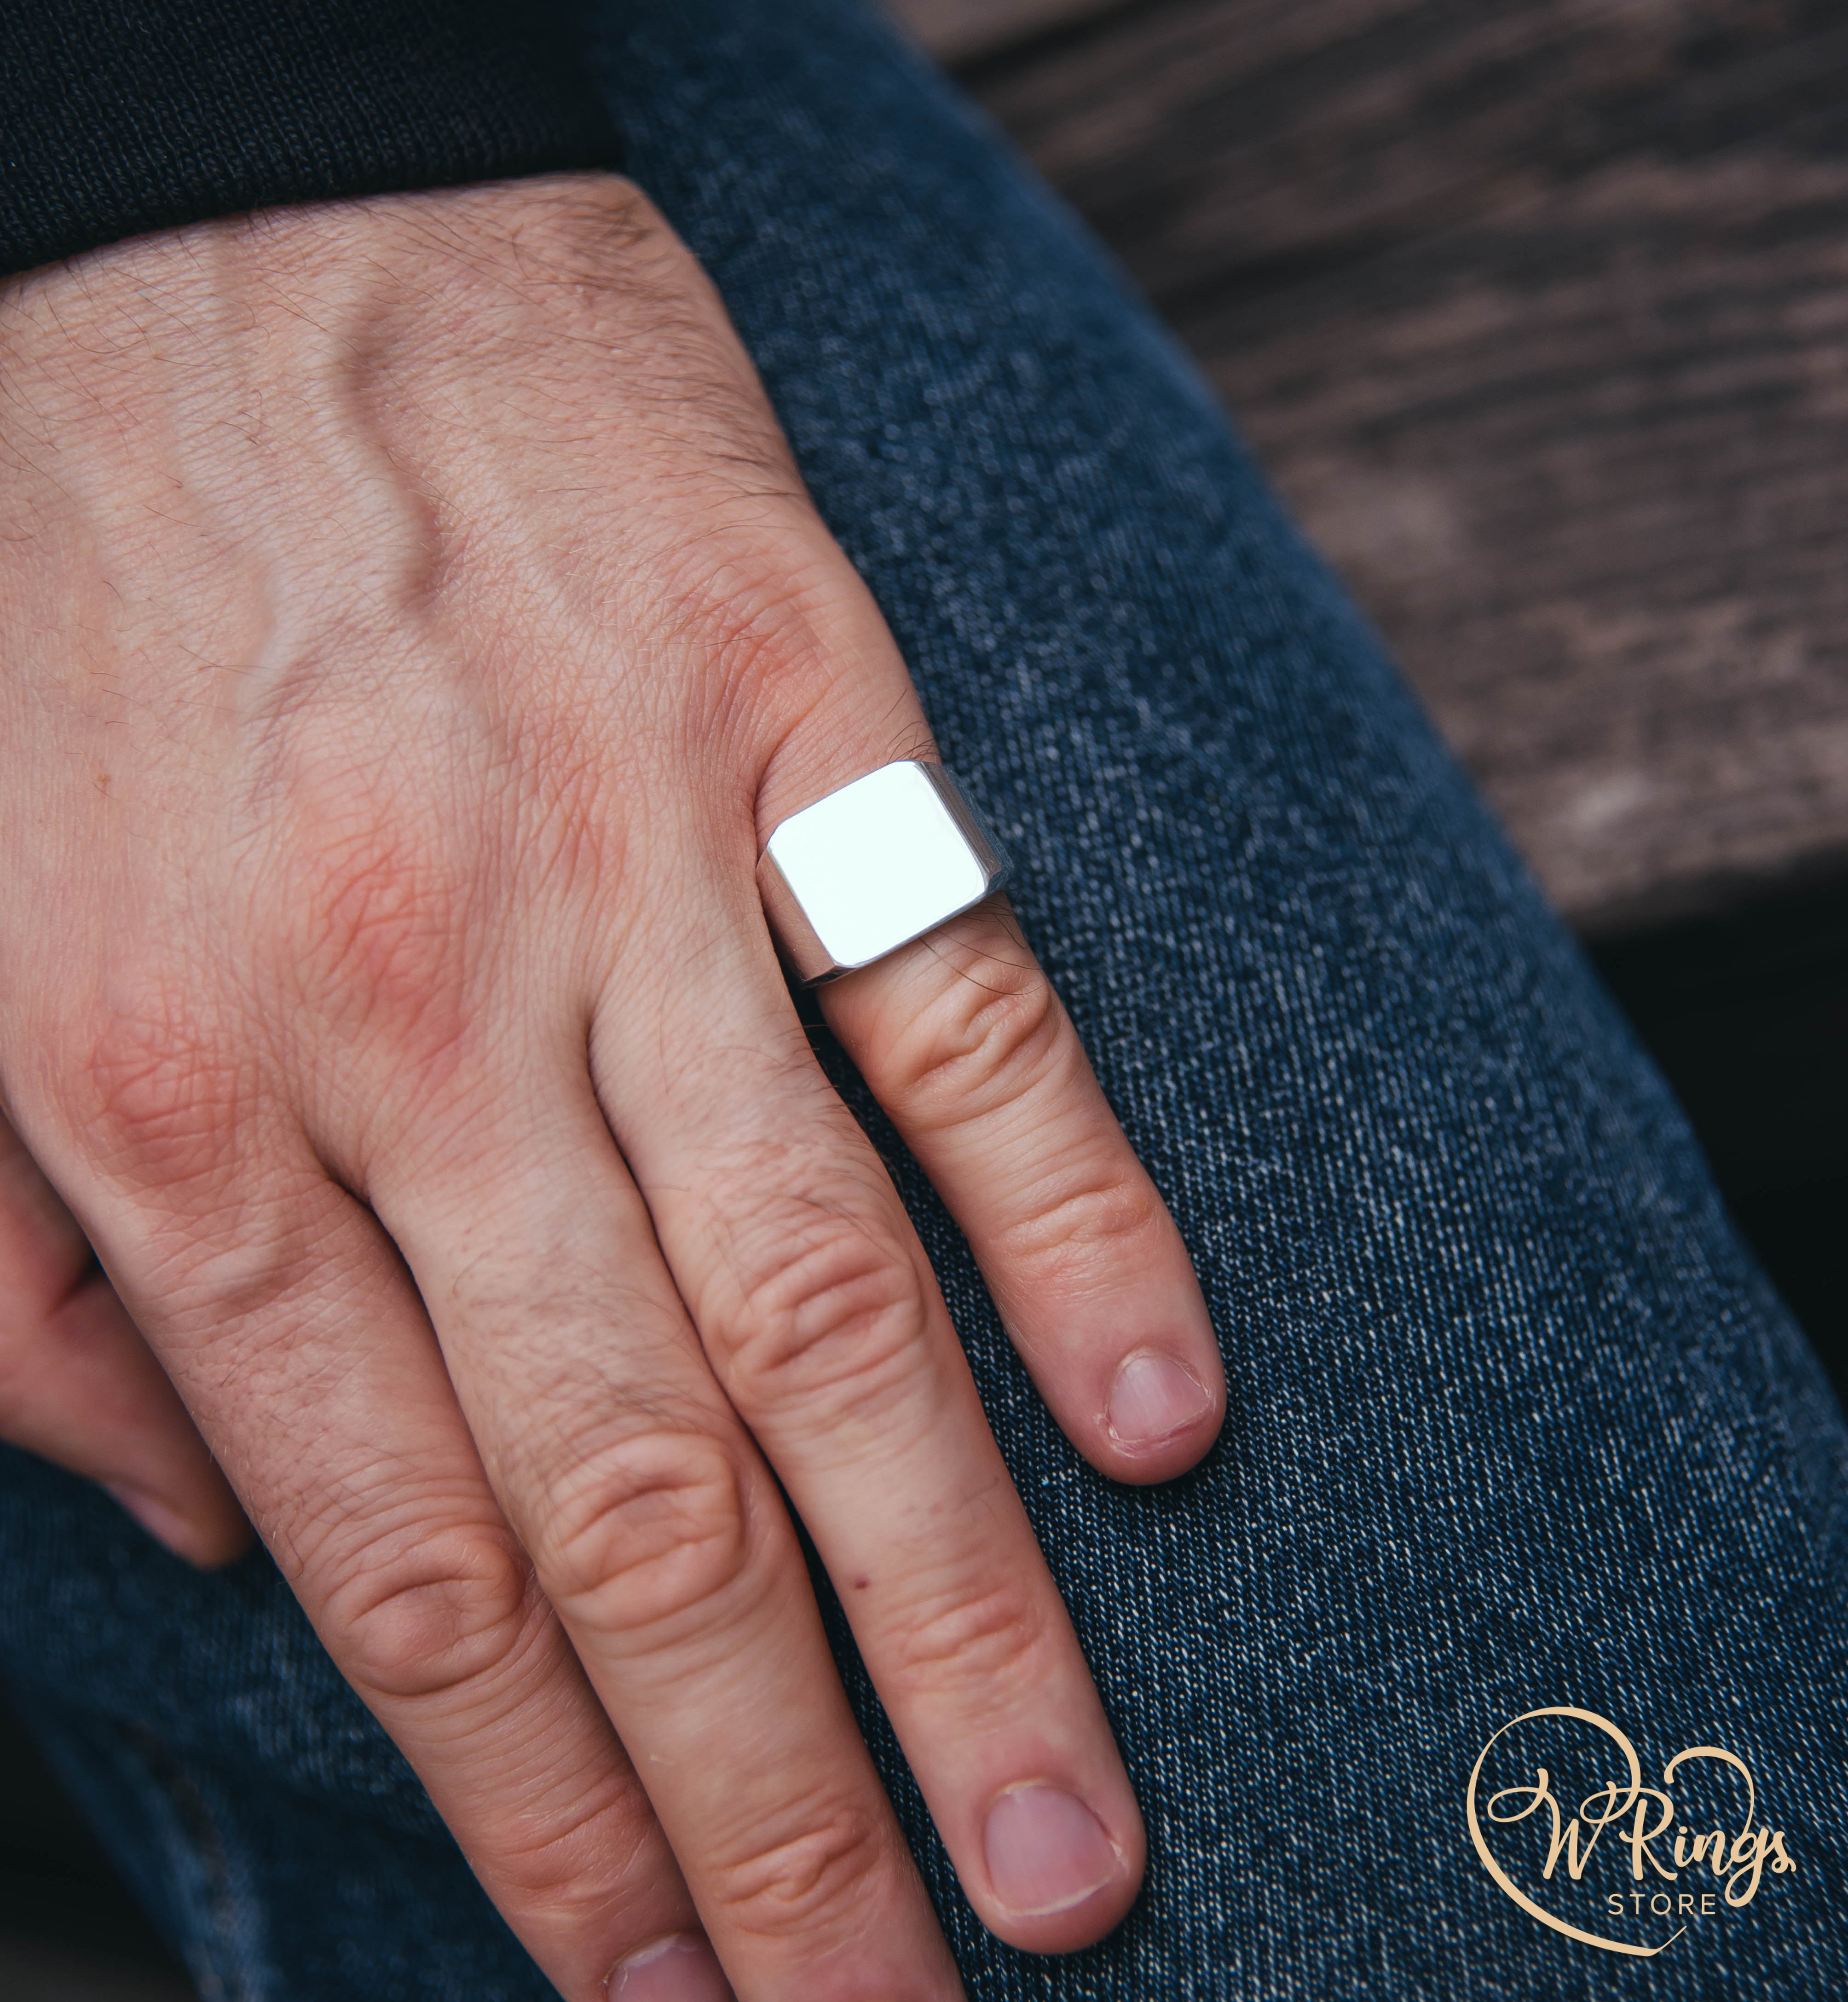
(121,116)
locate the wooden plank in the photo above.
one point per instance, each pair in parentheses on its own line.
(955,30)
(1538,311)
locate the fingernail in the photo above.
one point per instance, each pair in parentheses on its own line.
(1046,1851)
(1153,1399)
(681,1967)
(164,1524)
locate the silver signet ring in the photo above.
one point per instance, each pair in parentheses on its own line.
(872,866)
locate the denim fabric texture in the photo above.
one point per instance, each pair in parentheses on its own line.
(1515,1422)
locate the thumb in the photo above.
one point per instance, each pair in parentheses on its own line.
(78,1386)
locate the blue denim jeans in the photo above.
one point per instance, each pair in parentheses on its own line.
(1515,1423)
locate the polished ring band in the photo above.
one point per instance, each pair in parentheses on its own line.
(873,866)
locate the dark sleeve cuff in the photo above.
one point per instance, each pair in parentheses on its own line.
(121,116)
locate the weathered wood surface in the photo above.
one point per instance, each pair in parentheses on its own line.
(958,30)
(1538,311)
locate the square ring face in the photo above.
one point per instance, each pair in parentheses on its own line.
(872,866)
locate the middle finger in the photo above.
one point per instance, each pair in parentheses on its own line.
(658,1536)
(817,1306)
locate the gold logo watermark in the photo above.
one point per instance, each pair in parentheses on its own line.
(1671,1858)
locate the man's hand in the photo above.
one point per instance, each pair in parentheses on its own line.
(411,622)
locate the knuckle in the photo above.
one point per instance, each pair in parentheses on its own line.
(434,1611)
(1090,1225)
(374,916)
(157,1092)
(760,618)
(579,1851)
(986,1641)
(649,1531)
(756,598)
(828,1311)
(812,1887)
(987,1036)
